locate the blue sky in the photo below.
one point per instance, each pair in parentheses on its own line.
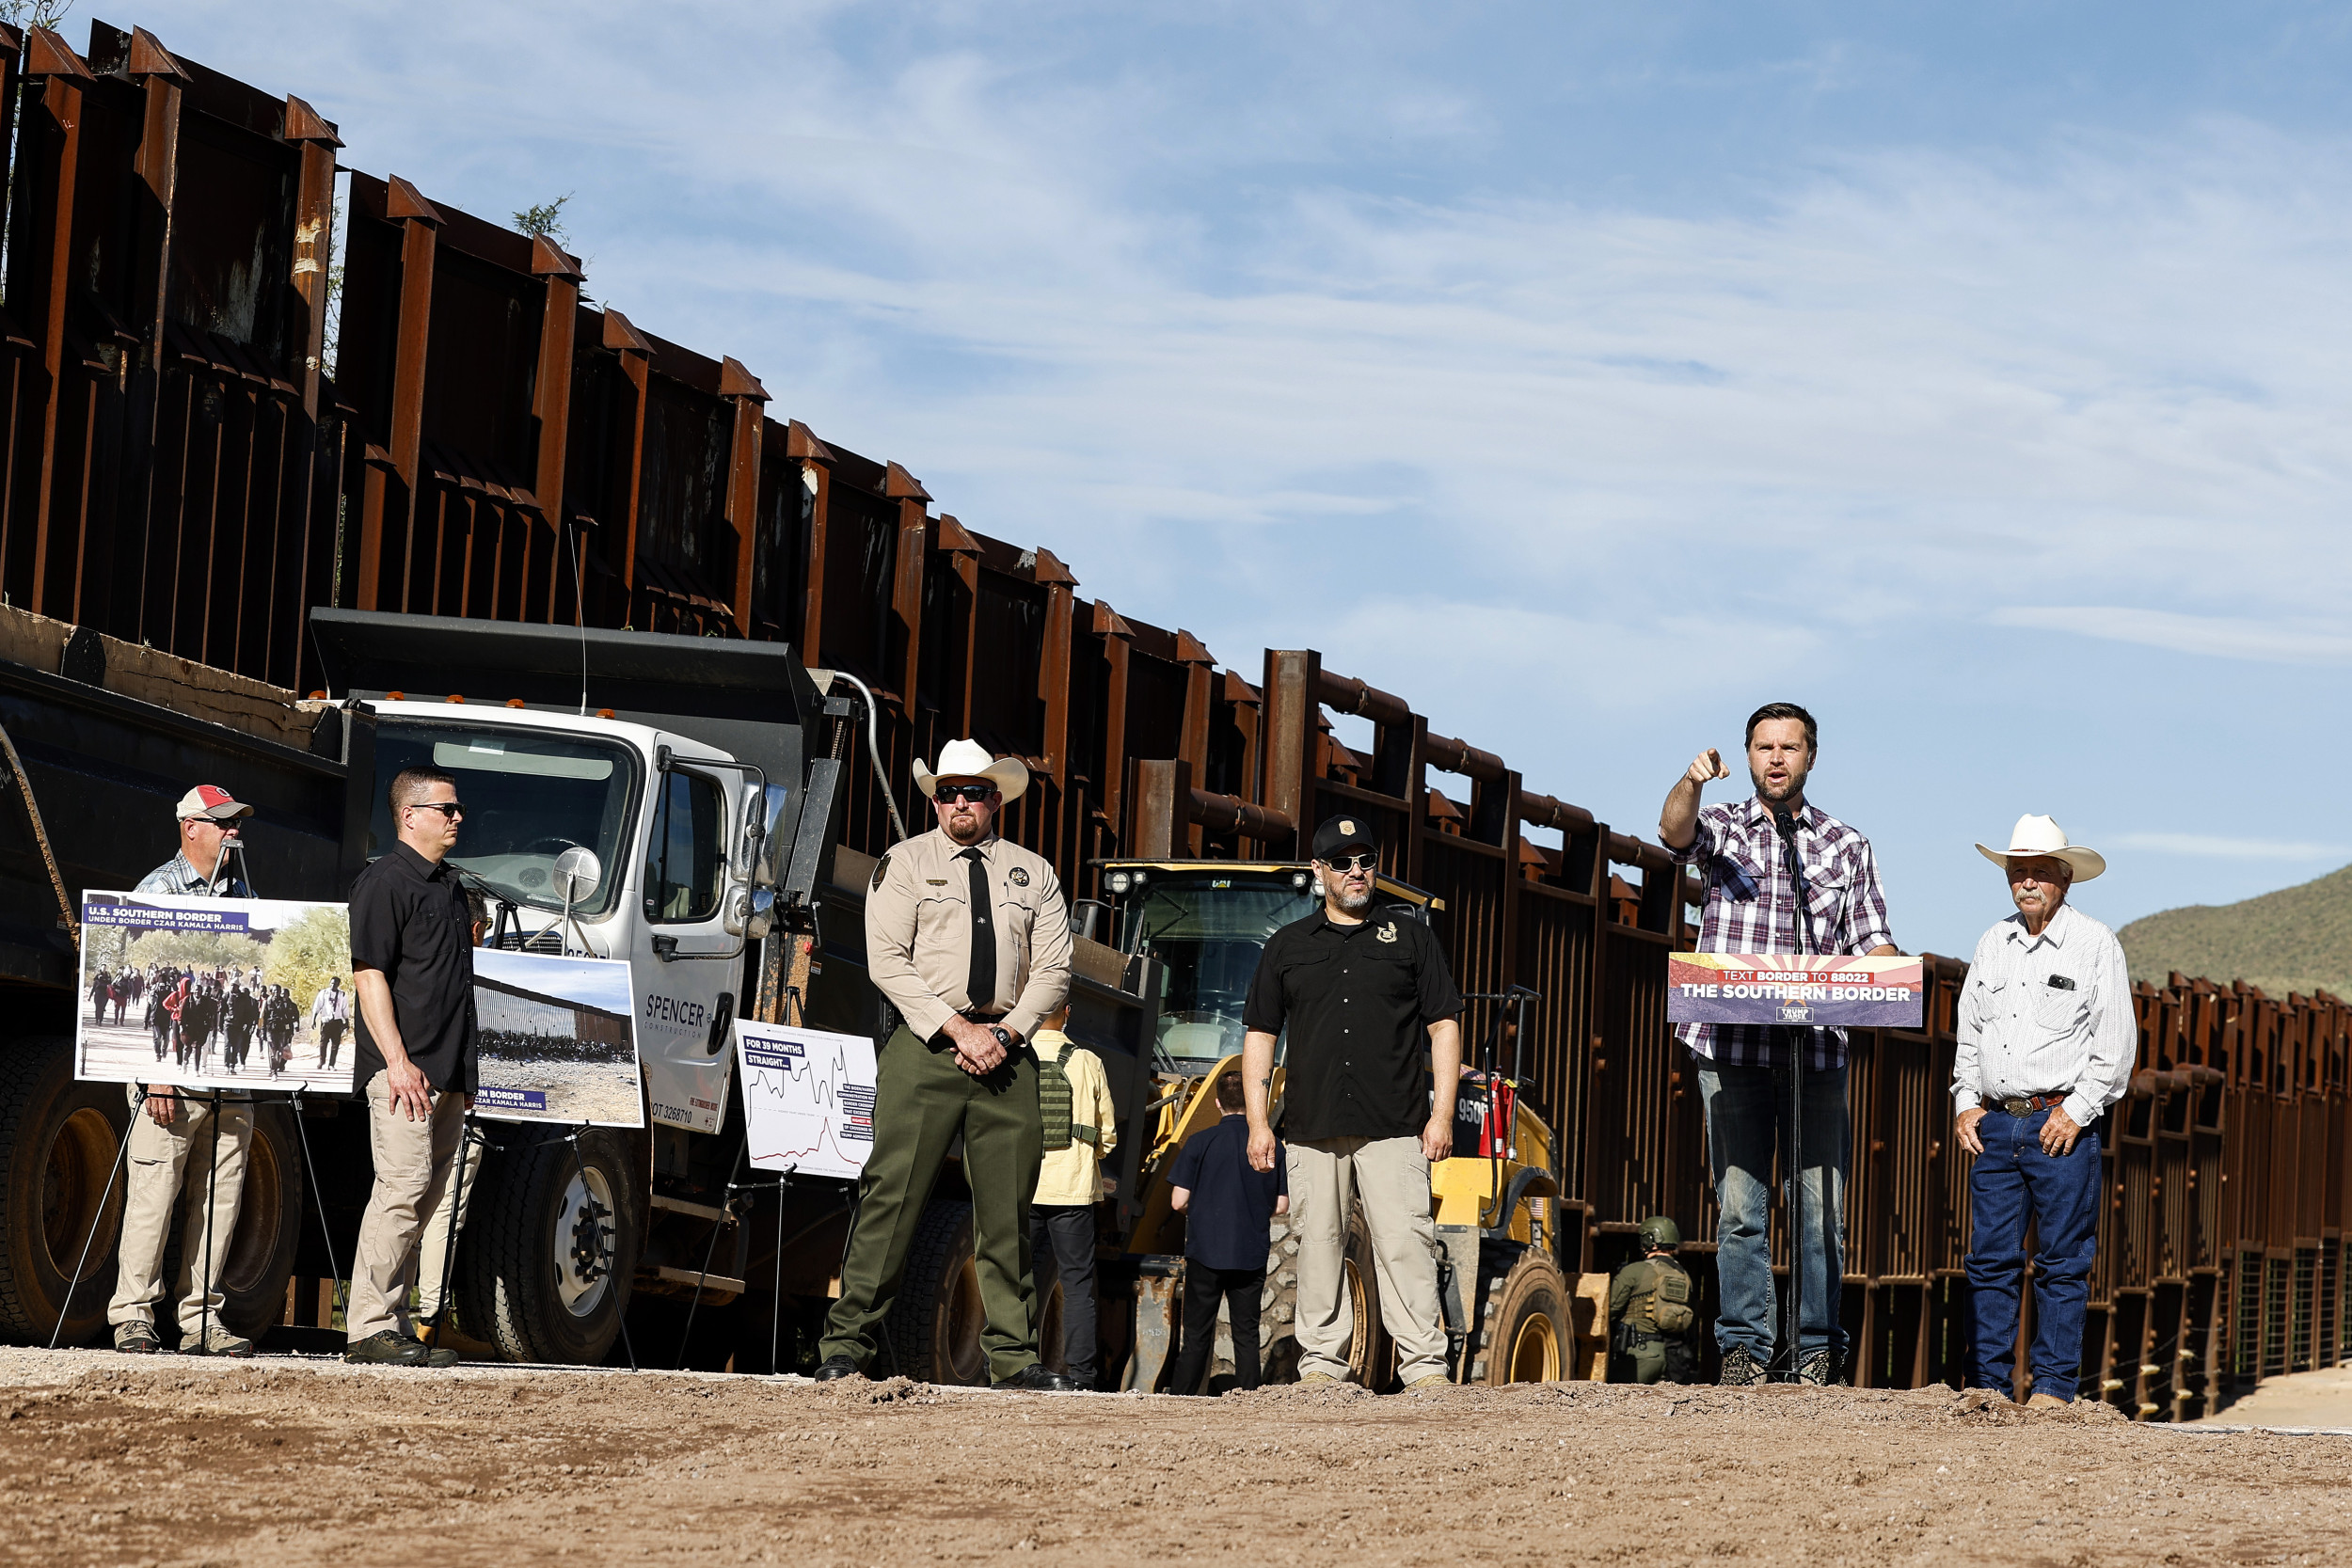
(1587,375)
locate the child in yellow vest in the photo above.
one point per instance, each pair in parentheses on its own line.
(1081,1125)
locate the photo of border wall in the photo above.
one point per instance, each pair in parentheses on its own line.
(559,1039)
(248,993)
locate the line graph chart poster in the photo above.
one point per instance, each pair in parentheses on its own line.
(808,1098)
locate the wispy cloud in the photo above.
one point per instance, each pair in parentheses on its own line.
(2213,846)
(2220,636)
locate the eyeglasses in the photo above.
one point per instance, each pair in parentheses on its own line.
(974,792)
(449,809)
(1353,862)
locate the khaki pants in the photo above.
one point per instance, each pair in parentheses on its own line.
(1392,1176)
(161,1160)
(433,1250)
(412,1171)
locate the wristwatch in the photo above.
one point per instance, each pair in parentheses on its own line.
(1003,1036)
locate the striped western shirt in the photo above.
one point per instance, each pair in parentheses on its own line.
(1750,907)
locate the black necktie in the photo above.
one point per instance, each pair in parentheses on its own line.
(981,988)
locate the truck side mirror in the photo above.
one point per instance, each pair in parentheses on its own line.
(775,841)
(578,873)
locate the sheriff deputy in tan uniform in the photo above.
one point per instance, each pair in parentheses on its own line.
(968,937)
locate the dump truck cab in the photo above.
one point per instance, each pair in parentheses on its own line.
(629,796)
(677,830)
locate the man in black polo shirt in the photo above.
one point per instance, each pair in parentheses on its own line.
(1373,1012)
(412,966)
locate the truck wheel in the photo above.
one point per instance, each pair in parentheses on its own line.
(933,1329)
(269,1225)
(1371,1354)
(1524,1334)
(550,1248)
(60,1143)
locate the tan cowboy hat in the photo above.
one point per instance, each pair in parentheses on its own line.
(2041,835)
(969,759)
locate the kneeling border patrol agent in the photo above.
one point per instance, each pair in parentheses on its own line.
(1653,1304)
(968,937)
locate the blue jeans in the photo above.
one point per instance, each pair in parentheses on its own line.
(2014,1183)
(1747,1107)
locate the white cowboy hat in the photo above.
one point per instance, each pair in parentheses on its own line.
(2041,835)
(969,759)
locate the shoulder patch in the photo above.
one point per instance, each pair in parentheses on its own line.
(881,866)
(1018,875)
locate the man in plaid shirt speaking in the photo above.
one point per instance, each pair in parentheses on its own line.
(1743,1069)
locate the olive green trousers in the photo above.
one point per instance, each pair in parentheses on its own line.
(922,1101)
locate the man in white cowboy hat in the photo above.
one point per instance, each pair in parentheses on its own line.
(2047,1040)
(968,937)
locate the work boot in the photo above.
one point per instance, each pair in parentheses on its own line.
(388,1348)
(1426,1382)
(1818,1368)
(1034,1379)
(218,1341)
(1741,1369)
(1318,1380)
(837,1367)
(136,1338)
(2048,1401)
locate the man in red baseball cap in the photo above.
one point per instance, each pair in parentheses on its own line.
(170,1135)
(209,817)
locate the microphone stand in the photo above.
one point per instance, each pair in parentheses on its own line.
(1785,825)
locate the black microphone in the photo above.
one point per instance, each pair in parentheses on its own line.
(1784,824)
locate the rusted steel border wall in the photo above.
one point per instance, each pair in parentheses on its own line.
(192,461)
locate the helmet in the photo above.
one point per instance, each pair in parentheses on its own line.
(1658,1231)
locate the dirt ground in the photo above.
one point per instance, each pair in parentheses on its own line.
(107,1460)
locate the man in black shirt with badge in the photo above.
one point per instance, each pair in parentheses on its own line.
(1374,1018)
(412,966)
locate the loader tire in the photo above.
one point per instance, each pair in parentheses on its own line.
(549,1254)
(932,1331)
(1278,1307)
(1371,1354)
(269,1224)
(1524,1334)
(60,1145)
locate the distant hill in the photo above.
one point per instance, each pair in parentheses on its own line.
(2296,939)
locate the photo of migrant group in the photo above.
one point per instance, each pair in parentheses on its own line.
(559,1041)
(215,992)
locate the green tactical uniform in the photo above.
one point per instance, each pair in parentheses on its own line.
(1650,1351)
(932,901)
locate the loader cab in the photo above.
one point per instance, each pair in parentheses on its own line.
(1207,921)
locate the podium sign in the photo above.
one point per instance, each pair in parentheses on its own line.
(1794,992)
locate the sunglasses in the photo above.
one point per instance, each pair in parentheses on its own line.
(974,792)
(1353,862)
(449,809)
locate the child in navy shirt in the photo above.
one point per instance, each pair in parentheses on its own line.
(1227,1208)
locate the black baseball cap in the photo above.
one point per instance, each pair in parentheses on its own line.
(1343,832)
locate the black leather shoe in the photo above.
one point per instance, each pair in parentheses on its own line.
(1034,1379)
(386,1348)
(834,1367)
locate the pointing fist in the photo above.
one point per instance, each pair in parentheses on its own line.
(1707,768)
